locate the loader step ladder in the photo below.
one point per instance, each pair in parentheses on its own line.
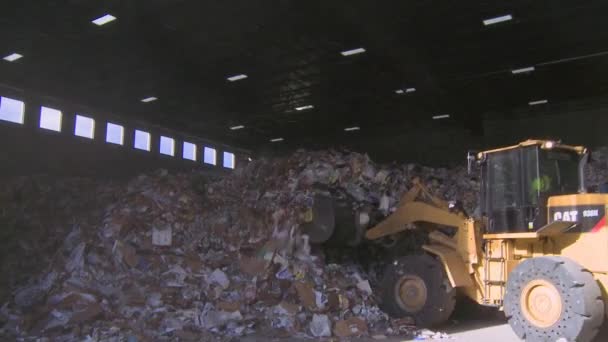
(494,260)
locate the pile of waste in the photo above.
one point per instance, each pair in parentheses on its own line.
(167,257)
(596,173)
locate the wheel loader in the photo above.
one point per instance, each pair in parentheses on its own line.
(538,248)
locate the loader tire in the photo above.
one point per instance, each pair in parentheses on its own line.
(553,298)
(416,286)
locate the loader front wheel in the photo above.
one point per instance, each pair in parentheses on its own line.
(416,286)
(552,298)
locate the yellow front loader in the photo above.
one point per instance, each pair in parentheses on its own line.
(538,250)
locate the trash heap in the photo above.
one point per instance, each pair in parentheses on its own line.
(596,173)
(168,257)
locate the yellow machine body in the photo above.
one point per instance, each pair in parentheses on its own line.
(478,263)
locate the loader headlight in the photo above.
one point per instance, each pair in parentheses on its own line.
(548,144)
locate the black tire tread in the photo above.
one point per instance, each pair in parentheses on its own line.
(582,300)
(441,296)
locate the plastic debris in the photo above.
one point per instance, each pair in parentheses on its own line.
(320,326)
(187,257)
(220,278)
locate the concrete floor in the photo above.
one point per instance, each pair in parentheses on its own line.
(470,331)
(471,324)
(495,331)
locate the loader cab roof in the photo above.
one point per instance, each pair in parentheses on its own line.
(544,144)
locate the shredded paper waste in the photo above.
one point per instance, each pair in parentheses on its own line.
(180,257)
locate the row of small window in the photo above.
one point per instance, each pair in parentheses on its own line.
(14,111)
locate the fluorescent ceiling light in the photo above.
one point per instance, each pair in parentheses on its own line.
(350,129)
(104,19)
(13,57)
(149,99)
(234,128)
(352,52)
(522,70)
(407,90)
(305,107)
(497,20)
(237,77)
(276,140)
(443,116)
(538,102)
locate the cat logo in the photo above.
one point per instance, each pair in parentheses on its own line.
(572,215)
(568,215)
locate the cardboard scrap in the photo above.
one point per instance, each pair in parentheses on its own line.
(353,326)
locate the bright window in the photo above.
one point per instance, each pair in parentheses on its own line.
(167,146)
(229,160)
(84,127)
(189,151)
(12,110)
(115,134)
(209,156)
(142,140)
(50,119)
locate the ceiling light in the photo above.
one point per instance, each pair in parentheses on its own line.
(104,19)
(149,99)
(443,116)
(234,128)
(237,77)
(522,70)
(497,20)
(407,90)
(12,57)
(350,129)
(538,102)
(352,52)
(305,107)
(276,140)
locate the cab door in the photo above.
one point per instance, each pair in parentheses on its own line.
(507,199)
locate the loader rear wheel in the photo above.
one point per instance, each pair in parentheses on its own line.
(416,286)
(549,298)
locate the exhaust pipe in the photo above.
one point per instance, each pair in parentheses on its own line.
(581,173)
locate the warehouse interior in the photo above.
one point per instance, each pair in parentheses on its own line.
(167,166)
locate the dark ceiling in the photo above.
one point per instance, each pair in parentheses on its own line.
(182,51)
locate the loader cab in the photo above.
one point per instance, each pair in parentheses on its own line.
(517,182)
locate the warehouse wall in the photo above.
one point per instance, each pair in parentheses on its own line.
(573,123)
(27,149)
(428,145)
